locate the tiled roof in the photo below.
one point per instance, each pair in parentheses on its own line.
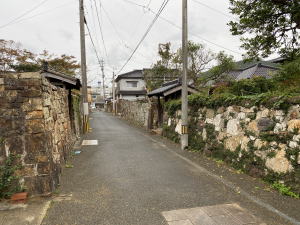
(258,69)
(166,87)
(135,74)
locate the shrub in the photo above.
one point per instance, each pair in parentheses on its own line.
(8,180)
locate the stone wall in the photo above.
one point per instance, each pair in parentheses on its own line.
(136,112)
(260,141)
(36,124)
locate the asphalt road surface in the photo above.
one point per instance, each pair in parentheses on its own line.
(132,177)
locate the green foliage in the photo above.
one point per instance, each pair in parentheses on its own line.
(267,26)
(254,86)
(8,180)
(283,189)
(289,76)
(13,57)
(169,65)
(169,132)
(172,106)
(76,104)
(225,63)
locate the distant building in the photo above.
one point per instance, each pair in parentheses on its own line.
(131,85)
(248,70)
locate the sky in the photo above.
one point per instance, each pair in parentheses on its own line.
(54,25)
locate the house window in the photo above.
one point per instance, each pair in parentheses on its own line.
(131,83)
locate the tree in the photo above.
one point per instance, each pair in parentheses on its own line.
(9,52)
(163,70)
(225,63)
(199,59)
(169,66)
(269,26)
(14,58)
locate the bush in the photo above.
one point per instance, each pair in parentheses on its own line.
(8,180)
(256,85)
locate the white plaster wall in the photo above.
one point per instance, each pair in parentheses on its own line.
(123,85)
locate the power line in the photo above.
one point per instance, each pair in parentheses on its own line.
(122,42)
(24,14)
(102,36)
(94,24)
(146,33)
(94,47)
(179,27)
(43,13)
(213,9)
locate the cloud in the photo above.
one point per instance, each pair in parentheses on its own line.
(122,23)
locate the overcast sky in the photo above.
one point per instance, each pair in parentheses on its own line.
(54,25)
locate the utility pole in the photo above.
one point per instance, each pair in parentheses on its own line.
(103,78)
(83,68)
(184,92)
(114,94)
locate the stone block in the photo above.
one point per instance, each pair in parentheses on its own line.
(219,122)
(31,93)
(178,127)
(34,126)
(262,114)
(43,168)
(28,170)
(293,144)
(279,163)
(253,127)
(14,144)
(265,124)
(1,81)
(13,84)
(294,124)
(36,143)
(35,75)
(233,127)
(39,184)
(233,142)
(210,113)
(34,115)
(32,105)
(47,102)
(31,82)
(296,138)
(279,127)
(259,143)
(241,116)
(42,158)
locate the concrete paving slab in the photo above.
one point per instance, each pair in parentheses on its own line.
(29,214)
(181,222)
(89,142)
(225,214)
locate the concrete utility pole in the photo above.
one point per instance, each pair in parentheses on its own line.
(184,92)
(114,94)
(103,78)
(83,68)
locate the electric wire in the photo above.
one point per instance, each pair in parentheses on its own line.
(93,44)
(179,27)
(100,27)
(24,14)
(213,9)
(121,40)
(146,33)
(43,13)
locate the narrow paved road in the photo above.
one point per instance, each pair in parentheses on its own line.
(130,179)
